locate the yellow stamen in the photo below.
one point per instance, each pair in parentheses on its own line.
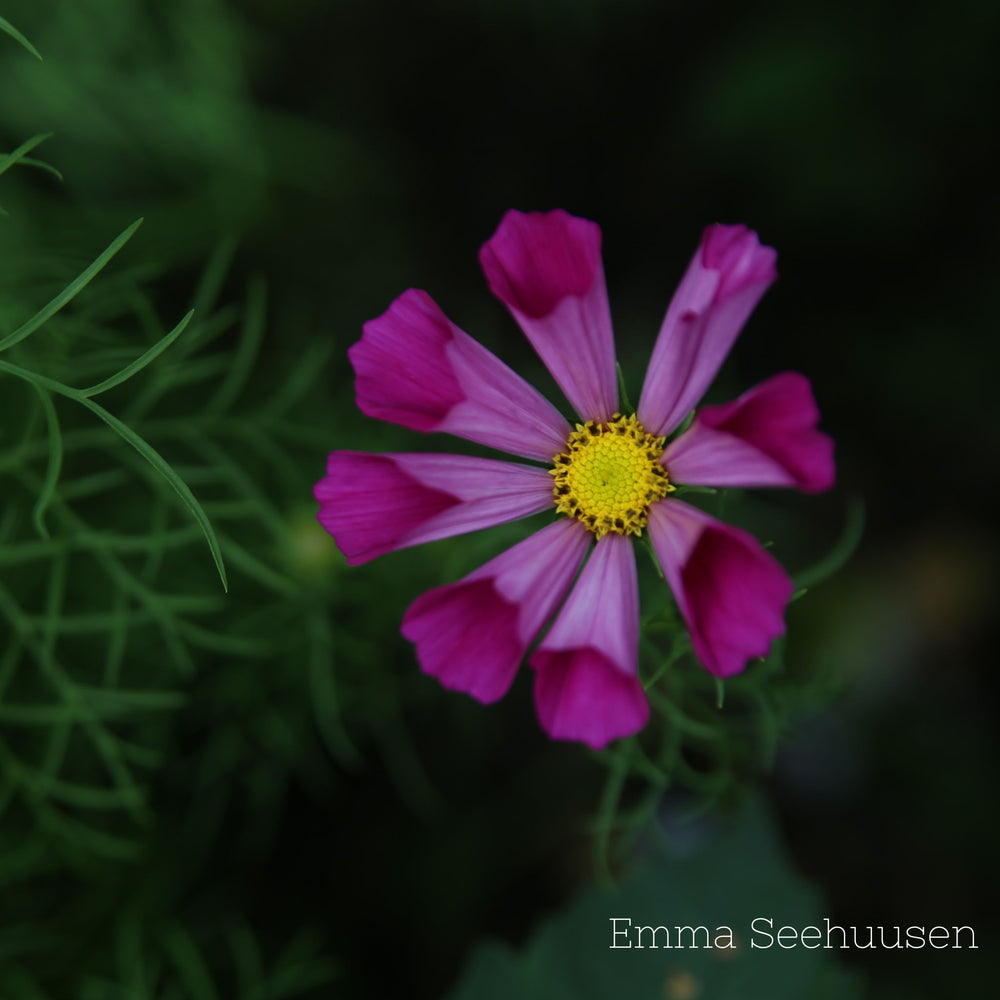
(609,475)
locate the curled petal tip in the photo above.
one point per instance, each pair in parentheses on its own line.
(536,259)
(728,274)
(546,268)
(766,437)
(738,255)
(414,367)
(731,593)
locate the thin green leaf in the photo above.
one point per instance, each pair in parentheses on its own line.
(214,276)
(323,690)
(247,961)
(252,334)
(118,630)
(108,845)
(160,464)
(52,714)
(110,751)
(70,694)
(152,601)
(146,450)
(55,462)
(158,533)
(107,701)
(29,447)
(681,490)
(54,601)
(297,970)
(137,366)
(614,785)
(9,29)
(623,400)
(258,570)
(22,552)
(30,161)
(648,546)
(683,722)
(71,290)
(218,458)
(285,468)
(8,664)
(171,377)
(95,483)
(843,549)
(20,155)
(75,794)
(232,645)
(142,756)
(684,424)
(298,382)
(129,955)
(165,539)
(189,963)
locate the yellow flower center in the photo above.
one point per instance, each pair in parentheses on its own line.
(609,474)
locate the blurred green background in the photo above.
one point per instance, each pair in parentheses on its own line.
(258,794)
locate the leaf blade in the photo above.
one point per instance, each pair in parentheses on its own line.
(163,467)
(139,363)
(54,465)
(146,450)
(77,285)
(9,29)
(7,160)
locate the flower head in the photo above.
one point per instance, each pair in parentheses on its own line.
(608,477)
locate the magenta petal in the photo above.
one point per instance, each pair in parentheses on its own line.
(728,274)
(587,686)
(473,634)
(466,637)
(372,504)
(580,696)
(546,268)
(730,592)
(767,437)
(414,367)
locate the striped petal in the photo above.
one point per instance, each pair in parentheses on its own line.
(730,592)
(586,683)
(729,273)
(473,634)
(373,504)
(767,437)
(546,268)
(414,367)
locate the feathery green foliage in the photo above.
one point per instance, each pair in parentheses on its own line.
(107,619)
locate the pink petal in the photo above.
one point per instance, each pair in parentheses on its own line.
(729,273)
(414,367)
(730,592)
(587,686)
(767,437)
(473,634)
(546,268)
(372,504)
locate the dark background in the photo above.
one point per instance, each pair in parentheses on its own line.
(353,150)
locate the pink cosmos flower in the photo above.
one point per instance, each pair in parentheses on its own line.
(609,477)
